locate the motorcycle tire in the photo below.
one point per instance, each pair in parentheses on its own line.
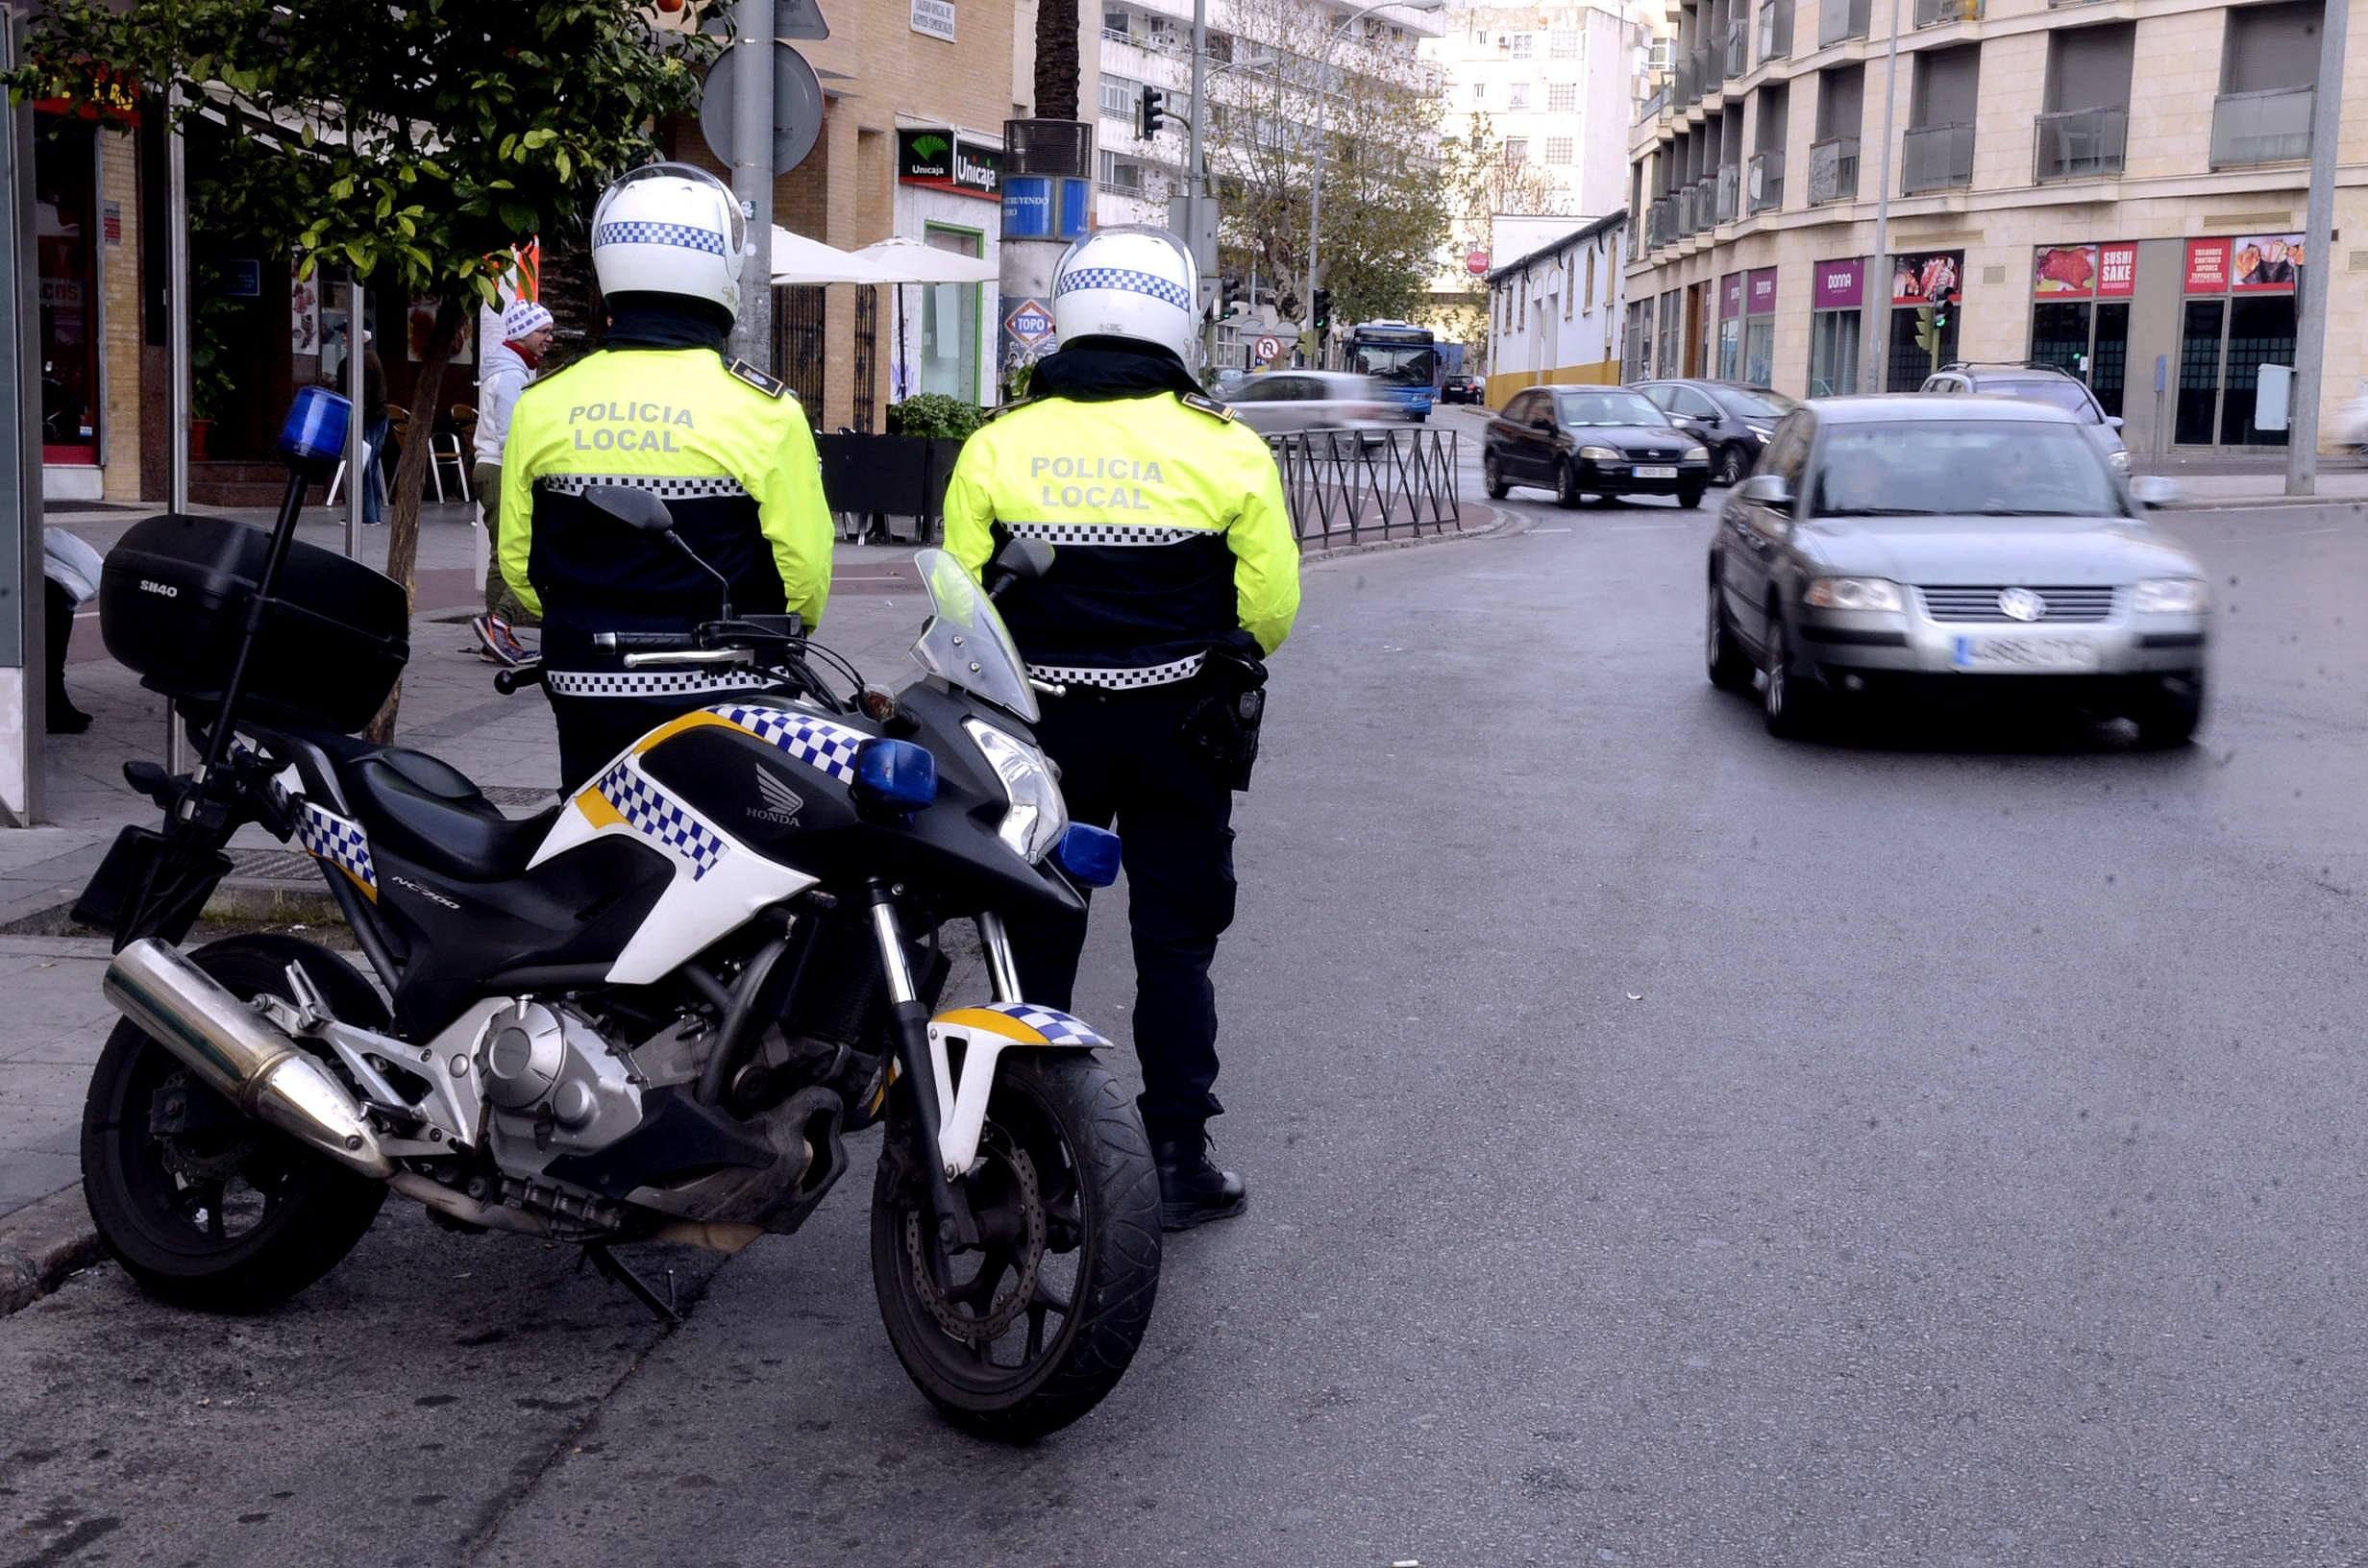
(164,1201)
(1065,1175)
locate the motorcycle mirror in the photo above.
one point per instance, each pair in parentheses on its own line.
(633,507)
(1020,560)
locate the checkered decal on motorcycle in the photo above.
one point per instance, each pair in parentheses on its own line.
(641,803)
(826,747)
(341,843)
(683,235)
(1126,280)
(1104,533)
(663,487)
(1056,1026)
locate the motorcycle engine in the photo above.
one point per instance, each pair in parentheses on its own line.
(556,1085)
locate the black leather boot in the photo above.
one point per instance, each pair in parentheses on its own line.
(1192,1189)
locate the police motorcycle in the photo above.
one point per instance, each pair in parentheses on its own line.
(655,1011)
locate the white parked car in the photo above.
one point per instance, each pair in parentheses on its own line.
(1312,400)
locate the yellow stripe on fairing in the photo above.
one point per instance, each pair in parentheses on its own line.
(598,811)
(993,1022)
(673,728)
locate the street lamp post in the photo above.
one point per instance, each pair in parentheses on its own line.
(1323,102)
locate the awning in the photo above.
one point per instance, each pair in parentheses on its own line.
(798,260)
(902,259)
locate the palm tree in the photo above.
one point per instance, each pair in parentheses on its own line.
(1056,59)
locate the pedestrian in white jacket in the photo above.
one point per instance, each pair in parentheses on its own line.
(509,365)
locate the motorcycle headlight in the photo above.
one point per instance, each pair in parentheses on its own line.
(1599,454)
(1038,816)
(2171,596)
(1855,594)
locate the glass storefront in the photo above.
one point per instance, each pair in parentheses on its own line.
(1670,336)
(2080,315)
(949,322)
(1760,327)
(1730,326)
(1837,297)
(2239,316)
(65,247)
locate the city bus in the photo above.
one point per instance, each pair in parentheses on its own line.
(1403,358)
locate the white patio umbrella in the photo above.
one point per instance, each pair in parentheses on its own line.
(910,260)
(798,260)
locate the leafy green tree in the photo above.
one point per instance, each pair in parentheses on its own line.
(410,144)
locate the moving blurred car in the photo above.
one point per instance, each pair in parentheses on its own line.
(2040,384)
(2350,423)
(1583,441)
(1311,400)
(1732,420)
(1461,389)
(1952,547)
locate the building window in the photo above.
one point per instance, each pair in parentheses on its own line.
(1562,43)
(1591,281)
(1517,95)
(1516,149)
(1119,95)
(950,321)
(1563,98)
(1479,92)
(1520,43)
(1557,149)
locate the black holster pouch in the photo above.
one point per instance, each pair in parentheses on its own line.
(1224,722)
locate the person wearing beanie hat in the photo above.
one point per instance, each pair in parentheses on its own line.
(509,365)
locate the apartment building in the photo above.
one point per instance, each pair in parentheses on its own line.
(1554,83)
(2146,240)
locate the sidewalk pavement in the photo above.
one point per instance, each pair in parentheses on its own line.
(2339,482)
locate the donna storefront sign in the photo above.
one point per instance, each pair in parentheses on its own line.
(943,159)
(1841,285)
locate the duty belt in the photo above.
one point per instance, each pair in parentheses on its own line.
(1121,677)
(646,682)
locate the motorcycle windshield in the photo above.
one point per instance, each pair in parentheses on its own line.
(965,642)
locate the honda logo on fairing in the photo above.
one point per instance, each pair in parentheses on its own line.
(781,803)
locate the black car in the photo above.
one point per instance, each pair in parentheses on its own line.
(1732,420)
(1592,441)
(1461,389)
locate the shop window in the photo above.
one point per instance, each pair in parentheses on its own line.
(66,245)
(950,324)
(1834,354)
(2090,341)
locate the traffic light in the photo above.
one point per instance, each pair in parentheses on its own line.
(1942,307)
(1323,311)
(1151,114)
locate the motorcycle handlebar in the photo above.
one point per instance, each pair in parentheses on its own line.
(642,642)
(508,681)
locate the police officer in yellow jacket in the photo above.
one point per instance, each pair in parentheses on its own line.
(1173,574)
(658,409)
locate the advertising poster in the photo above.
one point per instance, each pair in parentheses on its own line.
(2116,271)
(2264,263)
(2065,272)
(1924,276)
(304,320)
(2208,266)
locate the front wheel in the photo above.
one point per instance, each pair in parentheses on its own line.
(1493,475)
(1731,466)
(1691,497)
(1033,1329)
(2169,718)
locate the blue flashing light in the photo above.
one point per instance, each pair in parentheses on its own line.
(1089,854)
(896,774)
(314,435)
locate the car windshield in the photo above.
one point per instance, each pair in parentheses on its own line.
(1755,402)
(1956,468)
(1610,409)
(2062,394)
(964,643)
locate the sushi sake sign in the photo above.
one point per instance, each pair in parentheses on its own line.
(2085,272)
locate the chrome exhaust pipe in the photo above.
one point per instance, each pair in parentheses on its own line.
(240,1055)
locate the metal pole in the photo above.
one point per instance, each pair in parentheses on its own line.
(2302,433)
(751,176)
(1196,175)
(176,352)
(356,383)
(1314,194)
(1879,305)
(23,764)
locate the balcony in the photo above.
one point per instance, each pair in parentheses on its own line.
(1705,70)
(1688,88)
(2081,144)
(1833,170)
(1653,106)
(1763,186)
(1936,158)
(2272,127)
(1738,48)
(1939,13)
(1840,19)
(1661,222)
(1730,193)
(1775,30)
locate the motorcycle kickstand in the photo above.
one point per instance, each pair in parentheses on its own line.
(610,1267)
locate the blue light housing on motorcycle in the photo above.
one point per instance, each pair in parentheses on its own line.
(1089,854)
(894,774)
(314,435)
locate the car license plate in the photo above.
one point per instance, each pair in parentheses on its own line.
(1644,473)
(2034,654)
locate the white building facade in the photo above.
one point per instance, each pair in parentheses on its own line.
(1555,314)
(1555,83)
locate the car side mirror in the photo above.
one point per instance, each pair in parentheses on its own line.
(2112,422)
(2152,490)
(1543,422)
(635,509)
(1768,490)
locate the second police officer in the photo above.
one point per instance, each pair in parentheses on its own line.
(1175,573)
(658,409)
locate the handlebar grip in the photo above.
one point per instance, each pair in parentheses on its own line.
(642,642)
(508,681)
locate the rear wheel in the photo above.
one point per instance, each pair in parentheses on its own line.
(1567,485)
(1029,1333)
(202,1205)
(1729,670)
(1493,476)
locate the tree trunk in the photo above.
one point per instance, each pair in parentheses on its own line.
(411,479)
(1056,59)
(568,293)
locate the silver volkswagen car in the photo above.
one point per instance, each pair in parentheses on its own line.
(1952,547)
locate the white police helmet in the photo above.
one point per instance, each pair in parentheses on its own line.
(671,229)
(1133,282)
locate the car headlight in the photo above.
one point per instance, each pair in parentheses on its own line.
(1599,454)
(2120,461)
(1763,431)
(2171,596)
(1855,594)
(1697,455)
(1038,816)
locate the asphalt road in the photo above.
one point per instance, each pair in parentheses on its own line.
(1669,1146)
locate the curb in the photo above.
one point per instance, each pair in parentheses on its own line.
(2254,504)
(41,1244)
(1505,524)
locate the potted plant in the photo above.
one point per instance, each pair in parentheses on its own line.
(213,388)
(902,472)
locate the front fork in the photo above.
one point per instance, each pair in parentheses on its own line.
(909,1017)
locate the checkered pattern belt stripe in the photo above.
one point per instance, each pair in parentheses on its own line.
(647,682)
(666,487)
(1119,678)
(1108,533)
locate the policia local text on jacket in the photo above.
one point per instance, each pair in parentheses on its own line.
(732,455)
(1169,538)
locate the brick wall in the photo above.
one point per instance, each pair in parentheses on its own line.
(119,264)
